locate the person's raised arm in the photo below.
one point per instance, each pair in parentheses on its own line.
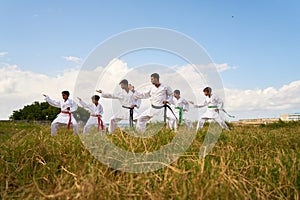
(198,106)
(142,95)
(109,95)
(84,104)
(51,101)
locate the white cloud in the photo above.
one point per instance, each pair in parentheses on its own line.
(19,87)
(216,67)
(284,99)
(73,59)
(3,53)
(223,67)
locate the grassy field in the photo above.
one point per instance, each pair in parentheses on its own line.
(246,163)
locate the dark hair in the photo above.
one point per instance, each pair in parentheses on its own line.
(124,81)
(66,93)
(208,89)
(96,97)
(177,91)
(155,75)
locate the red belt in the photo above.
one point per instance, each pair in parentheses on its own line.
(100,122)
(70,117)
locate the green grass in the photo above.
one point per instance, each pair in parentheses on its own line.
(246,163)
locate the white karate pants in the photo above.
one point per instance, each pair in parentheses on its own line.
(217,119)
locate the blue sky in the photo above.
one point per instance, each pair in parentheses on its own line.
(260,38)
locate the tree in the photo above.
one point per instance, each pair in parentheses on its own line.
(81,114)
(35,111)
(43,111)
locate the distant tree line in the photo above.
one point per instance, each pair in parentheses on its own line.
(40,111)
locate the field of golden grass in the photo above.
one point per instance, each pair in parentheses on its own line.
(246,163)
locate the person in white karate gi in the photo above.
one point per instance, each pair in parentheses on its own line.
(67,106)
(96,113)
(214,105)
(160,95)
(181,107)
(128,111)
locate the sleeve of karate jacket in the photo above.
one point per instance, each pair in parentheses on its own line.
(85,105)
(111,96)
(52,102)
(201,105)
(142,95)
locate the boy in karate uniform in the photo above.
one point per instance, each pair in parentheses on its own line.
(67,106)
(96,112)
(181,106)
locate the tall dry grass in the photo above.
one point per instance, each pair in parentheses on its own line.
(246,163)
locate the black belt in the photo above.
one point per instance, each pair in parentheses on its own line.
(165,106)
(130,115)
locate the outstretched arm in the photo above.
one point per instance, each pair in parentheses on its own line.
(51,101)
(84,105)
(142,95)
(109,95)
(198,106)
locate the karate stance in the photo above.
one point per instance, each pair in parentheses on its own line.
(214,105)
(96,112)
(181,107)
(129,105)
(67,106)
(160,95)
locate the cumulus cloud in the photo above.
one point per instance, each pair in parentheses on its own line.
(73,59)
(284,98)
(3,53)
(20,87)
